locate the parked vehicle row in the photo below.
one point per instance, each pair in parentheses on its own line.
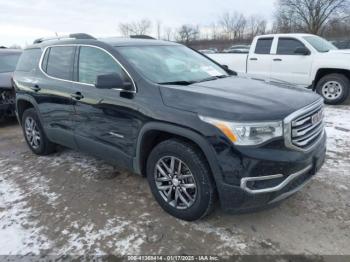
(194,129)
(8,62)
(237,49)
(343,44)
(301,59)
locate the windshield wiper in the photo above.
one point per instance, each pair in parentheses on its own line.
(211,78)
(187,83)
(180,83)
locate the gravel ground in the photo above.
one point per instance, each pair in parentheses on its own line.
(71,203)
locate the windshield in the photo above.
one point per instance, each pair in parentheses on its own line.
(320,44)
(8,62)
(170,64)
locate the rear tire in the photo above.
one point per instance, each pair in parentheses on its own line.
(192,188)
(34,134)
(334,88)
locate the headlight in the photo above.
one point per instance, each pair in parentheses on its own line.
(247,134)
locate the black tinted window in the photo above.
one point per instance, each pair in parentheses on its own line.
(94,62)
(263,46)
(29,60)
(8,62)
(287,46)
(60,62)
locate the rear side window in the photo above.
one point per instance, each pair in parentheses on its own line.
(8,62)
(59,62)
(29,60)
(94,62)
(287,46)
(263,46)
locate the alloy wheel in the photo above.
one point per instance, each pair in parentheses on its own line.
(175,182)
(32,132)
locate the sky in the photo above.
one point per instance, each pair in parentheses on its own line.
(22,21)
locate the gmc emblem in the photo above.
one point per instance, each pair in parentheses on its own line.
(316,118)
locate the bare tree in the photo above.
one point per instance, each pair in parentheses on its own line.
(188,33)
(310,15)
(158,25)
(240,26)
(168,32)
(337,28)
(227,21)
(233,24)
(256,26)
(141,27)
(215,33)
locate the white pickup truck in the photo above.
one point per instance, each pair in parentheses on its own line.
(301,59)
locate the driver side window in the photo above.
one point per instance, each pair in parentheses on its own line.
(94,62)
(287,46)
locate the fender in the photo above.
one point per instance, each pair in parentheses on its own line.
(29,99)
(183,132)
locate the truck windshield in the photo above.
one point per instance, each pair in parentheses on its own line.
(171,64)
(320,44)
(8,62)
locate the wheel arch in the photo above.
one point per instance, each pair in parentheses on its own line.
(154,133)
(327,71)
(24,102)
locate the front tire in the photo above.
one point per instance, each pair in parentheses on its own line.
(180,180)
(334,88)
(34,133)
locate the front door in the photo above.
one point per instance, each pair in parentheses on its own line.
(289,66)
(107,123)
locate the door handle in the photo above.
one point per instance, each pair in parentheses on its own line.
(253,59)
(35,88)
(277,60)
(77,96)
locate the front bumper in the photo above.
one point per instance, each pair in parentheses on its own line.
(267,175)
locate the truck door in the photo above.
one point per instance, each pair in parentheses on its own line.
(290,65)
(259,60)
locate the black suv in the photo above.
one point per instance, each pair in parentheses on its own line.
(170,113)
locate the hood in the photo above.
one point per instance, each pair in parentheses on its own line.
(339,51)
(238,99)
(5,80)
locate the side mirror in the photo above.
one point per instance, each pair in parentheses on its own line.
(228,70)
(110,81)
(302,51)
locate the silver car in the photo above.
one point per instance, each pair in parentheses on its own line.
(8,62)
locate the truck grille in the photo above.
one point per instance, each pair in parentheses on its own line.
(306,126)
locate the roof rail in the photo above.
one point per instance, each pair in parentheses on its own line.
(70,36)
(141,37)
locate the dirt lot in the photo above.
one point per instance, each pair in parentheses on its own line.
(73,203)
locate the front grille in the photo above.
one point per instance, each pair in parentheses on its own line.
(306,126)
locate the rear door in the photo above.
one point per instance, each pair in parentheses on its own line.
(53,90)
(259,59)
(289,66)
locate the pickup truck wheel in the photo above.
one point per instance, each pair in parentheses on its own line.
(180,180)
(334,88)
(34,133)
